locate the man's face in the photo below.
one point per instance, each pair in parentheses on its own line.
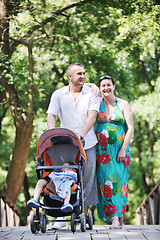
(77,76)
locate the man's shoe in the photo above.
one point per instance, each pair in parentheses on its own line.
(33,203)
(59,225)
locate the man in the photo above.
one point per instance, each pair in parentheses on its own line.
(77,108)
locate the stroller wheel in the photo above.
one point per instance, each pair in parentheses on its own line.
(73,222)
(90,220)
(43,224)
(83,222)
(33,224)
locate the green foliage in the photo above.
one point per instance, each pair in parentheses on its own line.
(6,141)
(5,67)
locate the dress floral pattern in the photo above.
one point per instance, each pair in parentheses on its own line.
(112,176)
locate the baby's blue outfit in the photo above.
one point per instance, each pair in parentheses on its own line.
(63,181)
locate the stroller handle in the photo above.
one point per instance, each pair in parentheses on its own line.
(55,167)
(82,141)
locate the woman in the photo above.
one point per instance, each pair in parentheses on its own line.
(114,130)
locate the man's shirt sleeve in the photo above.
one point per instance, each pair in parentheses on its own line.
(54,105)
(94,103)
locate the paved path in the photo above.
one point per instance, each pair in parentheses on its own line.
(99,232)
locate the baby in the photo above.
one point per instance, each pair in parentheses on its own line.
(62,183)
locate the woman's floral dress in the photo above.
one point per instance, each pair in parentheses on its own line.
(112,176)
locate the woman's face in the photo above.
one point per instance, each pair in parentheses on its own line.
(106,87)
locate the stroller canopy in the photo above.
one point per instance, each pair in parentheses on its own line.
(55,137)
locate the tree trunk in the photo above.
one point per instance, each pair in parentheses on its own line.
(26,189)
(23,121)
(3,110)
(26,193)
(19,158)
(4,27)
(23,118)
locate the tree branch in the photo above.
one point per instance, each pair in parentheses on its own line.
(60,75)
(146,76)
(47,20)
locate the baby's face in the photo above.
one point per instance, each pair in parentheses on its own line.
(65,169)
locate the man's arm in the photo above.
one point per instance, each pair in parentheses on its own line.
(51,121)
(89,123)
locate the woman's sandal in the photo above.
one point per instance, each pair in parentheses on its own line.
(115,224)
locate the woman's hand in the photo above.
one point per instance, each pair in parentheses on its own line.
(94,88)
(121,155)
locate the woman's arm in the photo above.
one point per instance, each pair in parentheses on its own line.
(128,115)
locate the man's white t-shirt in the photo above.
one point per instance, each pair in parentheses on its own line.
(73,114)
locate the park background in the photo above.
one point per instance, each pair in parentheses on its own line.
(38,40)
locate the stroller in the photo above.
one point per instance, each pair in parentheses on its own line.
(55,147)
